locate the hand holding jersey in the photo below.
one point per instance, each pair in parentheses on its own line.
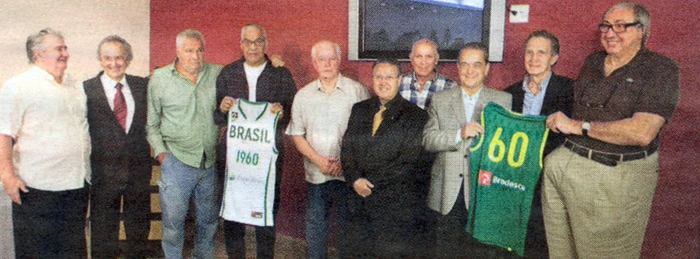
(506,162)
(250,162)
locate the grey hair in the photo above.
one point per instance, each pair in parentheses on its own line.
(338,53)
(253,25)
(387,61)
(116,39)
(36,42)
(641,15)
(426,41)
(188,34)
(476,46)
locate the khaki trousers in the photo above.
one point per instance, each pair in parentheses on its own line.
(596,211)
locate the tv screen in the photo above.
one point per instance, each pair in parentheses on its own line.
(388,28)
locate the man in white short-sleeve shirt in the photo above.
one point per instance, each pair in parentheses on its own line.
(44,153)
(320,115)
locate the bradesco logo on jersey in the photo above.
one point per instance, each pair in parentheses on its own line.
(487,178)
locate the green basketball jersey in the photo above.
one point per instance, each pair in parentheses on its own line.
(506,162)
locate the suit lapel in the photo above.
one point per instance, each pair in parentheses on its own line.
(100,97)
(485,97)
(457,105)
(550,95)
(137,95)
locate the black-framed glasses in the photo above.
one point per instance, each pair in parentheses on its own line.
(617,28)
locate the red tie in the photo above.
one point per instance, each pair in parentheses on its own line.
(120,106)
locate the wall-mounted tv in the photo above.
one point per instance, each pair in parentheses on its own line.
(388,28)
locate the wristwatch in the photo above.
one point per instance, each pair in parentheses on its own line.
(585,127)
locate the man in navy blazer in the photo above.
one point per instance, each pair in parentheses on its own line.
(541,93)
(120,159)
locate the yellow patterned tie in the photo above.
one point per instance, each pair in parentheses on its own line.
(378,117)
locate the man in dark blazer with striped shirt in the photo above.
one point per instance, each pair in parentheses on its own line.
(120,159)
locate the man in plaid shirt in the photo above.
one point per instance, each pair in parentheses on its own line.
(418,87)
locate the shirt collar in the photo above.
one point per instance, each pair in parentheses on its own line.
(338,84)
(110,82)
(543,85)
(415,78)
(202,71)
(389,103)
(476,96)
(45,74)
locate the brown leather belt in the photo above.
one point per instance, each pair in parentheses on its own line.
(609,159)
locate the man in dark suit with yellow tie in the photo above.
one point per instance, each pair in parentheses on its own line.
(382,156)
(121,163)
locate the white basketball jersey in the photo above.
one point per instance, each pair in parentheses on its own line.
(249,188)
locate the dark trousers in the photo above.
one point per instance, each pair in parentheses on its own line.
(377,235)
(105,203)
(50,224)
(536,239)
(453,241)
(451,234)
(234,232)
(382,225)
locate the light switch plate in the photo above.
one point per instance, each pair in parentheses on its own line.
(519,13)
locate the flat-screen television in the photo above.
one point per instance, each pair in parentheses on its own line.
(388,28)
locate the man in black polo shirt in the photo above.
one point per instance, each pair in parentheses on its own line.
(598,187)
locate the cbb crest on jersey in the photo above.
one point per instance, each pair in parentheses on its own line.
(249,187)
(505,165)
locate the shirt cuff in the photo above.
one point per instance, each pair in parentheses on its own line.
(458,138)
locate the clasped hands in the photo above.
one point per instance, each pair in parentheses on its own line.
(329,166)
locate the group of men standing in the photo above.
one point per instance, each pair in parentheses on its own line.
(396,164)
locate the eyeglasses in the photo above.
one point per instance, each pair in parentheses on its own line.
(259,42)
(382,78)
(617,28)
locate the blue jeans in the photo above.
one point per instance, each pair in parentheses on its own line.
(178,183)
(319,201)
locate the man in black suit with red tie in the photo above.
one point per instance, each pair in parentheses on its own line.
(120,159)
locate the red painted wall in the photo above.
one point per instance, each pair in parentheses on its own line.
(294,26)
